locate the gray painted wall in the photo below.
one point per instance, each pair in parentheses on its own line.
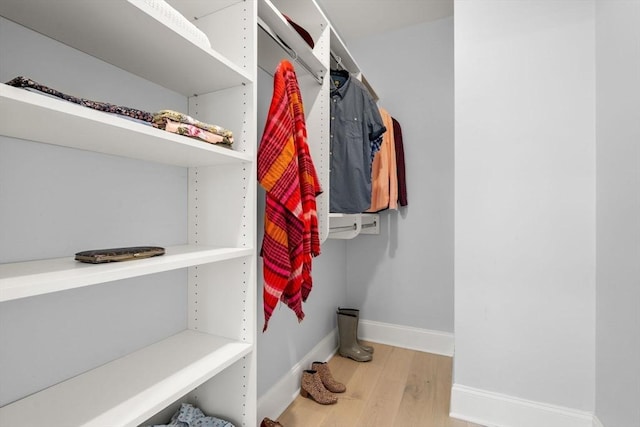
(618,213)
(404,276)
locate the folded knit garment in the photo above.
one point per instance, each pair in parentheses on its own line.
(195,132)
(190,416)
(167,119)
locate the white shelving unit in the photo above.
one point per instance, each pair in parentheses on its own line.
(212,362)
(314,87)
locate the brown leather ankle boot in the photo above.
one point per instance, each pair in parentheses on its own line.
(312,387)
(327,379)
(267,422)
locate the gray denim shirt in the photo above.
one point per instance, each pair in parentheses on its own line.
(355,137)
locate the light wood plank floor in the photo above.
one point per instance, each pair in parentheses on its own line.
(398,388)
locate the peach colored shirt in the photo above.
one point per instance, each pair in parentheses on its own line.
(384,175)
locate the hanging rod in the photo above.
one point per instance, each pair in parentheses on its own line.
(354,226)
(292,53)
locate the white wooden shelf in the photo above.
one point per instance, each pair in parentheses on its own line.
(30,278)
(153,50)
(278,24)
(127,391)
(67,124)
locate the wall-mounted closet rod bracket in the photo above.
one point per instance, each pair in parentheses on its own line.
(292,53)
(354,226)
(370,225)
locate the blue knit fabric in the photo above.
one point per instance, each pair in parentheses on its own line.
(190,416)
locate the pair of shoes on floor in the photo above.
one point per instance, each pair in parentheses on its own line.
(270,423)
(350,345)
(318,384)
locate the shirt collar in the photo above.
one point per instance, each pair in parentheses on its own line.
(342,90)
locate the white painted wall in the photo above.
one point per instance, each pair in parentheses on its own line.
(618,209)
(404,276)
(525,201)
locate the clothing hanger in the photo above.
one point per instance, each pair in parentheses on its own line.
(340,70)
(339,75)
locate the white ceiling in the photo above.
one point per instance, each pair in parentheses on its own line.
(354,19)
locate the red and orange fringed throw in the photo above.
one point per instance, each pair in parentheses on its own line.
(286,172)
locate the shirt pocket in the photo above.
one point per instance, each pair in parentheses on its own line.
(353,129)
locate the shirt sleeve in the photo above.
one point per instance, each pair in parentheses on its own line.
(400,165)
(375,124)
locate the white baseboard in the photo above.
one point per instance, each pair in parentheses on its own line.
(426,340)
(499,410)
(275,401)
(596,422)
